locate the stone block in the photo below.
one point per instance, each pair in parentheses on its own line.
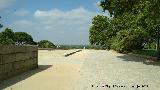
(1,59)
(16,65)
(8,67)
(35,54)
(35,61)
(15,60)
(20,56)
(27,63)
(22,64)
(7,49)
(10,74)
(2,77)
(35,66)
(20,49)
(31,48)
(28,55)
(2,69)
(17,72)
(8,58)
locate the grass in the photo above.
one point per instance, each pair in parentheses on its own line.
(146,52)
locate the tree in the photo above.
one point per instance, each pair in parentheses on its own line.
(146,12)
(23,38)
(129,16)
(98,30)
(46,44)
(7,37)
(128,40)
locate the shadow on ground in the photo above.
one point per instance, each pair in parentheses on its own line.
(139,59)
(6,83)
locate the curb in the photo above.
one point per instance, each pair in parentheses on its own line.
(72,53)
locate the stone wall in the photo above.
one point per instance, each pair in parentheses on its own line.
(15,60)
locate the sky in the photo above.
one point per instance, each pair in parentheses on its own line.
(59,21)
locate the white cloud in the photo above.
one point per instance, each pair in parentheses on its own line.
(24,24)
(6,3)
(68,27)
(79,15)
(97,4)
(21,12)
(58,19)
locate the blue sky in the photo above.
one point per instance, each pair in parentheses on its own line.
(60,21)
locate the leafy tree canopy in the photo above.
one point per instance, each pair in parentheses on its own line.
(23,37)
(134,23)
(7,37)
(45,44)
(98,30)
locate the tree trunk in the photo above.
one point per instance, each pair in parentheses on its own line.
(158,47)
(149,46)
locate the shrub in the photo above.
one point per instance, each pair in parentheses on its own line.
(128,40)
(46,44)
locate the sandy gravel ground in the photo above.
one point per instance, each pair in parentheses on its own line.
(87,70)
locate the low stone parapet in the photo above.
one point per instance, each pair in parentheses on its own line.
(15,60)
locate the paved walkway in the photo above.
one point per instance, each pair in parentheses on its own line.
(88,70)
